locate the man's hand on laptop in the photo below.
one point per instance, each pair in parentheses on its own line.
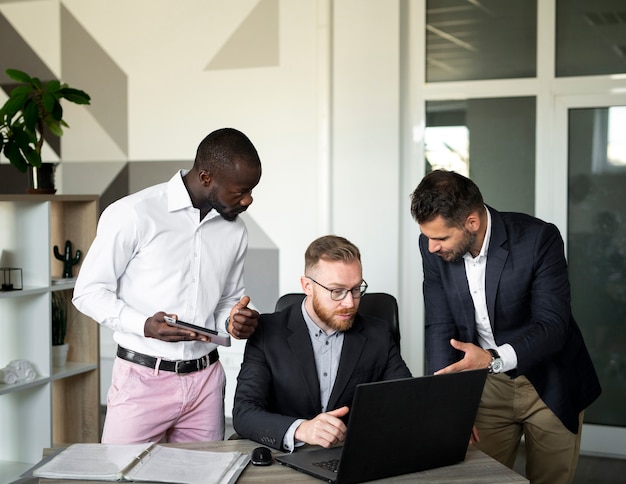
(326,430)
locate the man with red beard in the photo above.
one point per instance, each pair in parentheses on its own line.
(302,365)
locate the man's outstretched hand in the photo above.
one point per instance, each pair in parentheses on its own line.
(243,320)
(475,357)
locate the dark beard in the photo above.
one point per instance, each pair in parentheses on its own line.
(466,244)
(328,316)
(229,215)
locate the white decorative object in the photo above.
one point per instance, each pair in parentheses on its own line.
(17,370)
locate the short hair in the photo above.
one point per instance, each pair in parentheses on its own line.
(330,248)
(221,148)
(446,194)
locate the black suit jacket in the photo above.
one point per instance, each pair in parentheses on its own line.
(278,381)
(528,300)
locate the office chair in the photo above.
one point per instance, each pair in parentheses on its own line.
(377,304)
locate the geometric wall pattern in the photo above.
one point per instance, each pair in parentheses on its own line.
(254,43)
(16,53)
(85,64)
(72,49)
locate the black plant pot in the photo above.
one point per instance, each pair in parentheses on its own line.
(41,179)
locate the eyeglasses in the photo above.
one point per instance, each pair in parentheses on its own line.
(339,294)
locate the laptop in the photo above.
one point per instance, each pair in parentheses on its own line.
(398,427)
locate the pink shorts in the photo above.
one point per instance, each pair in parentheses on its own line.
(148,405)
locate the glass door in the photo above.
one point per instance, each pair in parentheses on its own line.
(592,158)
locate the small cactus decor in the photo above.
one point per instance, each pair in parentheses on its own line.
(67,259)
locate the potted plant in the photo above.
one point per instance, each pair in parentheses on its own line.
(59,329)
(32,107)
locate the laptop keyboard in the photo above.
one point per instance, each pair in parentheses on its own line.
(330,465)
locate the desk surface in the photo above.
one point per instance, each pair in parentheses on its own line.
(477,467)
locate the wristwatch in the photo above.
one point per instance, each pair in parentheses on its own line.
(496,364)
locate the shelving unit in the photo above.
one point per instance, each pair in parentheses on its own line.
(61,405)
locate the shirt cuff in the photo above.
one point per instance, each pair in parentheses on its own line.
(508,356)
(289,440)
(221,321)
(132,321)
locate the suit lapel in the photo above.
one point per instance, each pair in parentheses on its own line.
(353,344)
(497,256)
(300,343)
(459,277)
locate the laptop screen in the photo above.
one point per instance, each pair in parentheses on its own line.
(402,426)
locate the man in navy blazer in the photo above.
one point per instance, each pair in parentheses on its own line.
(302,365)
(497,295)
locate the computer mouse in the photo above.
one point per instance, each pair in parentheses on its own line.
(261,456)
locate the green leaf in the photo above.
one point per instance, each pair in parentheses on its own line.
(48,101)
(32,156)
(24,88)
(74,95)
(18,75)
(12,152)
(54,127)
(53,86)
(36,83)
(57,112)
(31,115)
(22,136)
(13,105)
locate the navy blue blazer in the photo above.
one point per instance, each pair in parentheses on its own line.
(278,381)
(528,300)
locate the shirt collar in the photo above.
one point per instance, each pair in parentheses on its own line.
(314,329)
(177,195)
(485,247)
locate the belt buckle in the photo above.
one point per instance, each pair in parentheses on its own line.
(201,364)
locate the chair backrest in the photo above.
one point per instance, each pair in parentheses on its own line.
(378,304)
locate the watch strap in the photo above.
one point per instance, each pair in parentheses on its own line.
(494,357)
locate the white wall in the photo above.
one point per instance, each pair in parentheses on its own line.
(325,119)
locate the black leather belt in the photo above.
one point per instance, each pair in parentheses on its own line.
(180,366)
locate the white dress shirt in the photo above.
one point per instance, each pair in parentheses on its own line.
(153,253)
(475,268)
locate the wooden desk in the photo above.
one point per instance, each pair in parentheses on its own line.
(477,467)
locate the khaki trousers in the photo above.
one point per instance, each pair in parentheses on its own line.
(510,408)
